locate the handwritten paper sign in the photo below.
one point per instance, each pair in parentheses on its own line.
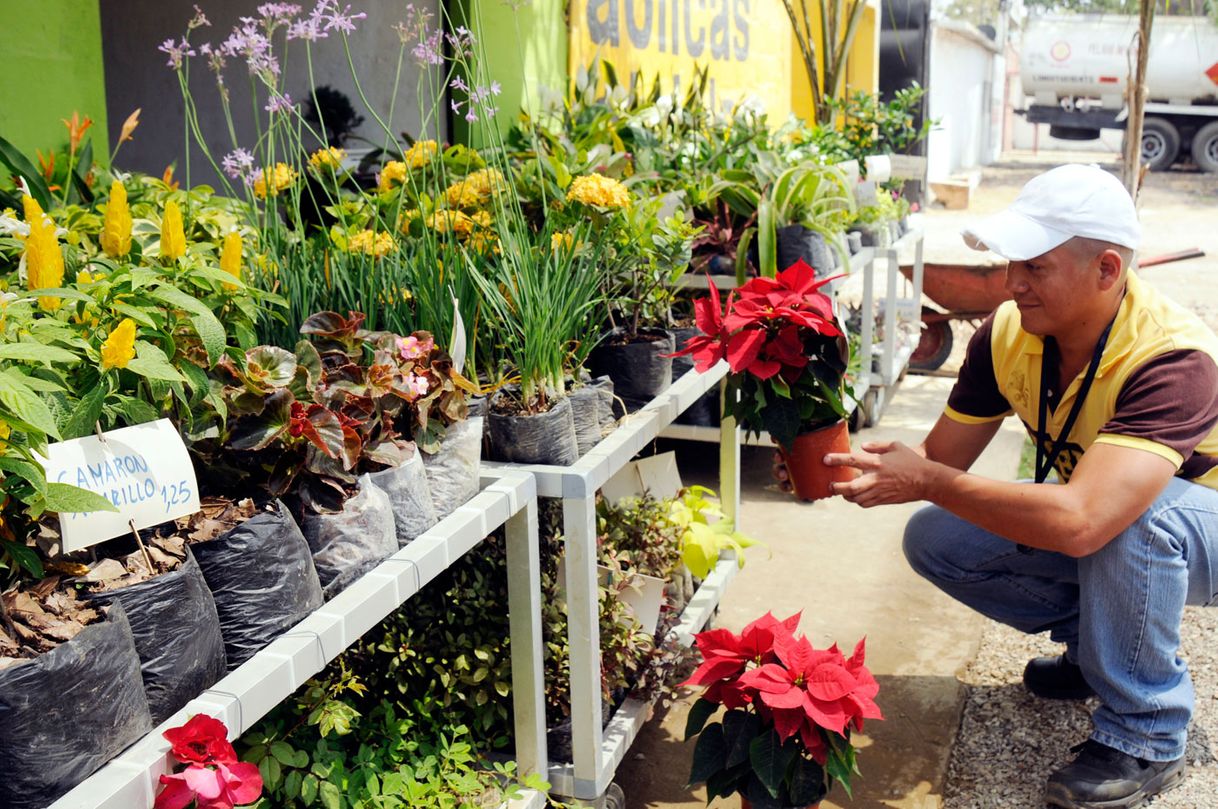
(144,471)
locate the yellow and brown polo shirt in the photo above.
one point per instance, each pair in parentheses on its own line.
(1156,388)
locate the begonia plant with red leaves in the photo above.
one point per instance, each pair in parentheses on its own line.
(213,778)
(784,738)
(786,349)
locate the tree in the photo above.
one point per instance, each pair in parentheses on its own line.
(839,21)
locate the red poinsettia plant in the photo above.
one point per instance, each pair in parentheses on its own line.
(212,778)
(786,349)
(784,738)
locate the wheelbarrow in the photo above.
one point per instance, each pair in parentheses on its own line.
(971,292)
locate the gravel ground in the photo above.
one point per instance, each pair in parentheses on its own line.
(1010,741)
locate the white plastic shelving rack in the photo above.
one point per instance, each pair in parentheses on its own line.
(507,498)
(597,751)
(893,353)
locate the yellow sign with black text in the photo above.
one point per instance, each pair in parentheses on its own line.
(744,44)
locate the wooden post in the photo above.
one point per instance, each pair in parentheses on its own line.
(1131,171)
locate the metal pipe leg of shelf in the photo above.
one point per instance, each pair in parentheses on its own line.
(524,615)
(583,642)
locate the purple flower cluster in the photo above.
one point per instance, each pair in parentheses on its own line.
(239,165)
(250,42)
(177,52)
(428,49)
(415,26)
(279,103)
(478,99)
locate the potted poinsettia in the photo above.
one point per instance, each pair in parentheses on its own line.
(789,710)
(788,353)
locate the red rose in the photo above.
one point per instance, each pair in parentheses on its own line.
(202,740)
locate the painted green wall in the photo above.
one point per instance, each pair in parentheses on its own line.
(526,51)
(51,61)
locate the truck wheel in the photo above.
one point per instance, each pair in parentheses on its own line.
(1205,147)
(1160,143)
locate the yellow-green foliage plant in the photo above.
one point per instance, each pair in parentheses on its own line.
(706,532)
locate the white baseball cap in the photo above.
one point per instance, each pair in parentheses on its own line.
(1054,207)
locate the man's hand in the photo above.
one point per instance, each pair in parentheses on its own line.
(890,473)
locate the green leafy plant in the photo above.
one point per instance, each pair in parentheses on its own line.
(319,750)
(705,533)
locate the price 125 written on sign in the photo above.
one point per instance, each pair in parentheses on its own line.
(145,471)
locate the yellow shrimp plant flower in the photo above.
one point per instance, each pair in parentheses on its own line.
(173,237)
(119,348)
(116,225)
(230,257)
(43,258)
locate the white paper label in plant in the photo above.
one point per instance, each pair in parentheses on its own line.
(144,471)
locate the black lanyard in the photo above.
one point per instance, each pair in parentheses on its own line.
(1051,362)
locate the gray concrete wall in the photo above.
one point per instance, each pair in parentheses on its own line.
(137,76)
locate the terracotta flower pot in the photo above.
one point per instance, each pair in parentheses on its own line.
(744,804)
(809,476)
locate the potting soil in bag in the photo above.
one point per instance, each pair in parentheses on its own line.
(585,412)
(177,635)
(453,471)
(262,578)
(604,404)
(68,711)
(639,369)
(348,544)
(542,438)
(409,497)
(796,241)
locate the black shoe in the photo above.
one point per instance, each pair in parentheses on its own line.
(1055,678)
(1104,778)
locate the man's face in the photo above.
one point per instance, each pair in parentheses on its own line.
(1054,291)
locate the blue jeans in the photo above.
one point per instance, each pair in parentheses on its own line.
(1118,610)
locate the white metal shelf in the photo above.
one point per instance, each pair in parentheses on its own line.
(596,754)
(508,498)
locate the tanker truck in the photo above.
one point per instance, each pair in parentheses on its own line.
(1075,70)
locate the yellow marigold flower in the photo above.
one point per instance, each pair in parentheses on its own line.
(329,158)
(561,241)
(484,241)
(393,174)
(43,258)
(84,277)
(230,257)
(421,154)
(371,243)
(280,177)
(119,348)
(408,217)
(476,189)
(116,225)
(481,218)
(173,237)
(450,222)
(598,191)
